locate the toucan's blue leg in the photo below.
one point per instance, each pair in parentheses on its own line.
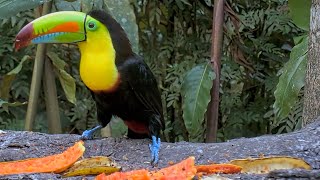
(88,134)
(155,148)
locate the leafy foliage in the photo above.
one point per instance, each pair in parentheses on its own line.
(174,37)
(67,82)
(196,94)
(300,13)
(293,76)
(292,79)
(172,41)
(14,88)
(293,121)
(259,41)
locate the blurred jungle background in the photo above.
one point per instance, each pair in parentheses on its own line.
(174,37)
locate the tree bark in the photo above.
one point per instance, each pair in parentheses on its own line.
(312,88)
(217,36)
(50,93)
(134,153)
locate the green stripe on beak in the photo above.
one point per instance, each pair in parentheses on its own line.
(59,27)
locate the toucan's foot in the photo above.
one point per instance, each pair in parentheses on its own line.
(154,148)
(89,134)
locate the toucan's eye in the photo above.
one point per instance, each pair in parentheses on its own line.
(92,25)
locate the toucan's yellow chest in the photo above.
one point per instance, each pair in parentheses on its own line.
(97,65)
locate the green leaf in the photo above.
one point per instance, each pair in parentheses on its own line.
(118,128)
(69,85)
(5,104)
(196,96)
(300,13)
(9,78)
(56,61)
(6,85)
(123,13)
(298,39)
(17,69)
(67,81)
(14,104)
(291,80)
(12,7)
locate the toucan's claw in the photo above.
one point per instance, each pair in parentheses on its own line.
(89,134)
(154,148)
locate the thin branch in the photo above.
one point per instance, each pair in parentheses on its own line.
(36,77)
(217,36)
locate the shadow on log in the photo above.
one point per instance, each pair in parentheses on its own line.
(134,154)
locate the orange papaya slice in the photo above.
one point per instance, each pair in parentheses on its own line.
(184,170)
(54,163)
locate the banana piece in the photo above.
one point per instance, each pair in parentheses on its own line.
(92,166)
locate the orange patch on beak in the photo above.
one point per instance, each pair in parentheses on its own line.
(65,27)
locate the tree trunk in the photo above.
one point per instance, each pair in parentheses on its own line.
(312,88)
(50,93)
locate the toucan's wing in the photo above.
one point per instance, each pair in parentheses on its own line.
(144,85)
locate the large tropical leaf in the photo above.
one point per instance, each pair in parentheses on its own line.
(196,96)
(12,7)
(68,84)
(292,79)
(67,81)
(300,13)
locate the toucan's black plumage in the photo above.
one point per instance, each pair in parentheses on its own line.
(136,98)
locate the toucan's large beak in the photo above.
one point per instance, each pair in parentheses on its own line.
(59,27)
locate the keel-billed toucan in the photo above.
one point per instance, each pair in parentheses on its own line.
(120,81)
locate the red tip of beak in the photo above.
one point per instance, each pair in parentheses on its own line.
(24,37)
